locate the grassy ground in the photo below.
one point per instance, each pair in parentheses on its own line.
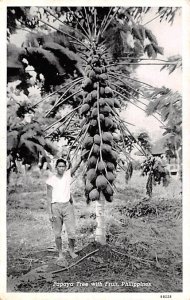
(144,239)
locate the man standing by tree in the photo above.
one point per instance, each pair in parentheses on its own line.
(60,207)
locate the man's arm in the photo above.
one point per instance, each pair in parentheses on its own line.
(74,168)
(49,199)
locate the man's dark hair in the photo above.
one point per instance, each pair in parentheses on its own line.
(60,160)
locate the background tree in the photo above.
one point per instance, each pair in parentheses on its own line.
(169,105)
(145,142)
(25,137)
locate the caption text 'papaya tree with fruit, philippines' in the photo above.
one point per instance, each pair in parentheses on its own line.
(111,45)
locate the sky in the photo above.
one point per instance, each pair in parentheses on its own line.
(170,38)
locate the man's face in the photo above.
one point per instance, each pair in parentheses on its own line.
(61,168)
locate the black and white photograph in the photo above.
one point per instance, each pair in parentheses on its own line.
(94,149)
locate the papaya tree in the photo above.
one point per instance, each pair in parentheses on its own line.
(25,140)
(169,105)
(111,45)
(156,173)
(145,141)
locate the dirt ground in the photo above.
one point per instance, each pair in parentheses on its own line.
(144,242)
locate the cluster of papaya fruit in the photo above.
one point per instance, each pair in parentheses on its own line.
(100,130)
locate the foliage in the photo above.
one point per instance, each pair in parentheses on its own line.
(178,64)
(15,67)
(52,60)
(19,16)
(144,141)
(25,136)
(154,168)
(39,38)
(26,142)
(168,13)
(163,13)
(169,105)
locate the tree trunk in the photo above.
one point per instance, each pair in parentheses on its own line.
(100,217)
(178,161)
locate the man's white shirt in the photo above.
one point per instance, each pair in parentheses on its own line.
(61,187)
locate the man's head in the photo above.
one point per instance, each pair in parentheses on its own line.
(60,166)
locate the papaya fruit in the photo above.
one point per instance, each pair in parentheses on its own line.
(97,139)
(109,190)
(94,94)
(91,175)
(92,130)
(110,176)
(101,101)
(101,166)
(106,149)
(94,195)
(84,108)
(116,136)
(92,162)
(107,137)
(92,75)
(94,113)
(108,197)
(88,186)
(87,82)
(101,117)
(114,126)
(93,122)
(108,90)
(117,103)
(98,70)
(88,98)
(96,149)
(84,93)
(101,182)
(108,123)
(110,166)
(102,91)
(86,101)
(105,110)
(114,156)
(88,141)
(103,76)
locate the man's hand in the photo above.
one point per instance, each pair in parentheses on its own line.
(68,162)
(51,217)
